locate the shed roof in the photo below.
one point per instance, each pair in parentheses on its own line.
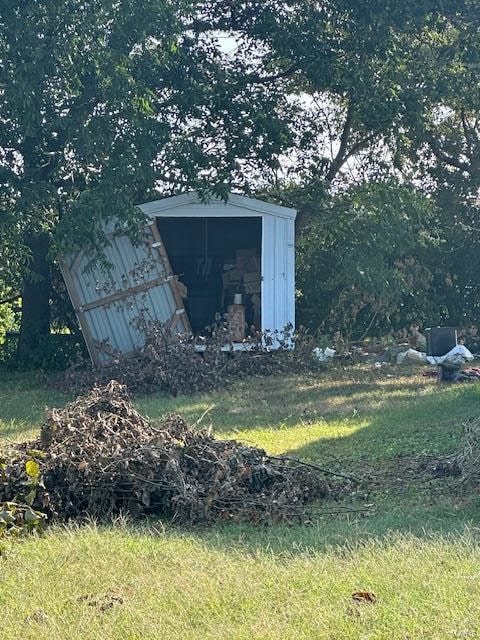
(236,205)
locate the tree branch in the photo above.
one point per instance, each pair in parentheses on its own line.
(467,133)
(444,157)
(254,78)
(9,299)
(359,145)
(339,159)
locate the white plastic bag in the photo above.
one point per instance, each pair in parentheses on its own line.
(412,355)
(457,355)
(322,355)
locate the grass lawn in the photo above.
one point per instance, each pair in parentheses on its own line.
(418,551)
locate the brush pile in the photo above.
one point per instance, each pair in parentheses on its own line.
(178,368)
(100,457)
(466,461)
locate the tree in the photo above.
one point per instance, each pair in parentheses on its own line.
(438,145)
(361,268)
(102,104)
(342,60)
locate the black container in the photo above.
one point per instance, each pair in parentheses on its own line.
(440,340)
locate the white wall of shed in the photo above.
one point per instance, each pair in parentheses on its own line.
(278,273)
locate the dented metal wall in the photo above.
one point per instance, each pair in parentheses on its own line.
(114,304)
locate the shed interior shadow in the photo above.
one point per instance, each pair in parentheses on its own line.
(207,254)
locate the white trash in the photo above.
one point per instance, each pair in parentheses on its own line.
(322,355)
(413,355)
(458,355)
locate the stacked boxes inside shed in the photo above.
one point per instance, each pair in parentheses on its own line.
(244,277)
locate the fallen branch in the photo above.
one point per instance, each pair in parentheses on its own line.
(328,472)
(98,457)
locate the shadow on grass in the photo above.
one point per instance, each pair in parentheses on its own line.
(442,520)
(417,425)
(400,432)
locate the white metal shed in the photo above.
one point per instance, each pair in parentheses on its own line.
(188,245)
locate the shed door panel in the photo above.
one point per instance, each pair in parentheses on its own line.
(110,302)
(278,271)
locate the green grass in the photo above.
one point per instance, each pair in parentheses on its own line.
(418,551)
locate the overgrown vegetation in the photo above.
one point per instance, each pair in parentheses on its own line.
(187,365)
(361,262)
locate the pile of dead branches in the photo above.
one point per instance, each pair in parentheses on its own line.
(99,457)
(179,368)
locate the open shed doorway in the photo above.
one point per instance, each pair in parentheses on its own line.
(218,260)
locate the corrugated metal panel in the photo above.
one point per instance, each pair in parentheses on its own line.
(110,301)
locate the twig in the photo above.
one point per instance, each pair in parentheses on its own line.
(314,466)
(369,326)
(207,411)
(10,299)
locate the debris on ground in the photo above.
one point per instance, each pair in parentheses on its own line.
(458,355)
(364,597)
(418,340)
(180,368)
(323,355)
(99,457)
(412,355)
(449,364)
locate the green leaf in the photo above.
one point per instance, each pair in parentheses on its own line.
(32,468)
(30,497)
(31,517)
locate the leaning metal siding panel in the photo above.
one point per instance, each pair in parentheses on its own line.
(132,265)
(110,302)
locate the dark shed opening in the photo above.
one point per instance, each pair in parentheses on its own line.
(216,258)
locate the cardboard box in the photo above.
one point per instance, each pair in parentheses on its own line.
(247,259)
(253,287)
(253,264)
(236,322)
(252,276)
(233,276)
(253,282)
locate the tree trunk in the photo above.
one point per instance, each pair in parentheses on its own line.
(35,324)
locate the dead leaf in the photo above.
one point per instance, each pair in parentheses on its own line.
(364,596)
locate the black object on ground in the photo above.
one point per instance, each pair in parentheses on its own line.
(440,340)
